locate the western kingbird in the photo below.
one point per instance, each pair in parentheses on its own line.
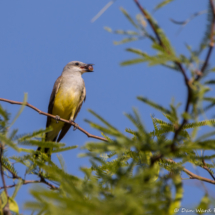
(66,99)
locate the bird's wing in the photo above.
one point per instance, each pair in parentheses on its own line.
(52,98)
(67,126)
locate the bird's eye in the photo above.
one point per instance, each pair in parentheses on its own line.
(77,64)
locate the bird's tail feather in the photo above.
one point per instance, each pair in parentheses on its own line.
(46,150)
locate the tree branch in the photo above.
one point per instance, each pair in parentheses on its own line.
(31,182)
(206,168)
(211,45)
(186,81)
(150,22)
(54,117)
(42,180)
(194,176)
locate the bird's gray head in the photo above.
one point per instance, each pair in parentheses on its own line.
(77,66)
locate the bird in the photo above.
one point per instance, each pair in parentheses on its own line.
(66,99)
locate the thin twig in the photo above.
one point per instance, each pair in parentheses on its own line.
(189,19)
(184,23)
(42,180)
(54,117)
(33,182)
(206,168)
(194,176)
(211,45)
(102,10)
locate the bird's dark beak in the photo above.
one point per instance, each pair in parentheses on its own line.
(88,67)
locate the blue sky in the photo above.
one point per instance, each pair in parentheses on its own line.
(38,38)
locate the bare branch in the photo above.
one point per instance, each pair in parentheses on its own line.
(54,117)
(102,10)
(184,23)
(194,176)
(33,182)
(42,180)
(189,19)
(206,168)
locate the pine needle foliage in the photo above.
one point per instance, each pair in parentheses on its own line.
(134,172)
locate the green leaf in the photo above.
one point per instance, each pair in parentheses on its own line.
(136,51)
(105,136)
(102,120)
(13,134)
(48,144)
(129,17)
(17,187)
(62,162)
(126,32)
(203,205)
(205,136)
(8,142)
(121,31)
(4,113)
(209,99)
(206,38)
(13,206)
(154,105)
(108,29)
(186,116)
(64,149)
(210,82)
(166,43)
(3,199)
(162,4)
(203,145)
(199,124)
(160,58)
(21,109)
(178,194)
(133,61)
(125,40)
(8,166)
(136,120)
(36,134)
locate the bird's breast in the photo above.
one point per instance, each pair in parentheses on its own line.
(67,98)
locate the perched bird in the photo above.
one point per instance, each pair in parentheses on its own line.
(66,99)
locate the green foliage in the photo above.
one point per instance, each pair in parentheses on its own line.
(206,36)
(154,105)
(162,4)
(160,58)
(203,205)
(133,172)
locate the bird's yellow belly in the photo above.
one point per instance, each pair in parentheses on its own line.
(65,105)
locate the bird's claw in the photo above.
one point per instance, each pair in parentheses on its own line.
(75,125)
(57,118)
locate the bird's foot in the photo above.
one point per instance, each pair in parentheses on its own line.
(57,118)
(75,125)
